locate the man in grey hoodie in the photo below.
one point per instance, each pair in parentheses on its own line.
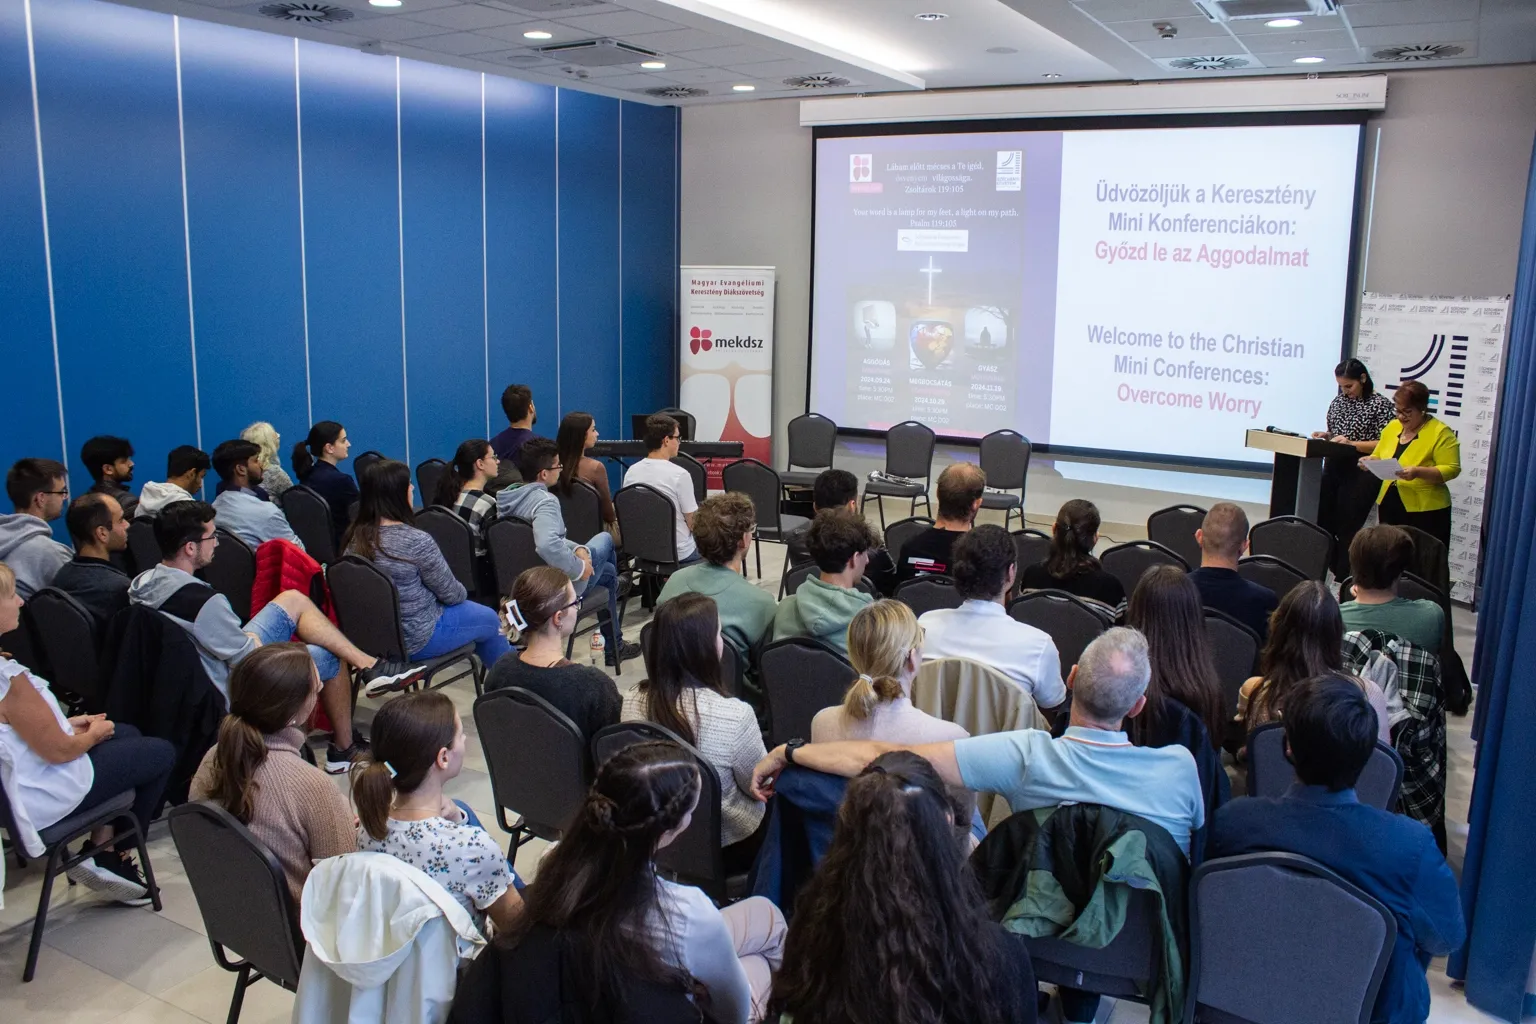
(185,468)
(593,564)
(37,488)
(840,541)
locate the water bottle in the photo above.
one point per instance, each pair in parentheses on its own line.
(598,646)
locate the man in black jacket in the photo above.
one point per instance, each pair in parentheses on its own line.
(98,527)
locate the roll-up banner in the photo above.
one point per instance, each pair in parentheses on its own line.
(727,358)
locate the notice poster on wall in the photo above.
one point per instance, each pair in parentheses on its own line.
(1455,346)
(727,358)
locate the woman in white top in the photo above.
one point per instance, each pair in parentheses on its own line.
(682,692)
(885,644)
(62,765)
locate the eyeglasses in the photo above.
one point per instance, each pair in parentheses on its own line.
(62,493)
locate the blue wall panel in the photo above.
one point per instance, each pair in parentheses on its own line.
(240,123)
(650,257)
(25,333)
(589,256)
(520,244)
(444,299)
(106,78)
(351,226)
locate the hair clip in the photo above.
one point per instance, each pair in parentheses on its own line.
(389,768)
(515,616)
(866,678)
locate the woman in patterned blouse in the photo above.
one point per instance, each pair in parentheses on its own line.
(1356,417)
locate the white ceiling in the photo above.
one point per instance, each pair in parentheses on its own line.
(881,46)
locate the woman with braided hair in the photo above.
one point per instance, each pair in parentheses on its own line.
(621,929)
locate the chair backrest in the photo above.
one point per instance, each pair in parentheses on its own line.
(428,473)
(1126,562)
(1277,938)
(240,889)
(646,518)
(800,676)
(360,463)
(901,531)
(1030,547)
(1415,588)
(66,633)
(367,606)
(1005,459)
(686,424)
(455,539)
(812,440)
(582,511)
(143,549)
(925,593)
(760,483)
(1071,622)
(798,575)
(1174,528)
(731,665)
(693,857)
(1270,773)
(536,757)
(1128,967)
(696,471)
(310,516)
(1268,571)
(512,549)
(1430,559)
(1234,652)
(909,450)
(232,572)
(1293,539)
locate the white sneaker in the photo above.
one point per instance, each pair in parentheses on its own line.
(109,883)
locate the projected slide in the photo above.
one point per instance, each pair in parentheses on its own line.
(1141,290)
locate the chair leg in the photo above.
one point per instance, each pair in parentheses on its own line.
(149,870)
(757,547)
(55,855)
(242,981)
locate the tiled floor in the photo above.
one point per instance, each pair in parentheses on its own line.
(103,963)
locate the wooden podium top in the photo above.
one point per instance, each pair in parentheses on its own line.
(1300,447)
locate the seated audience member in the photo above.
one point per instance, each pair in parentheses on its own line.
(630,937)
(682,692)
(829,599)
(60,765)
(1377,559)
(542,614)
(659,471)
(578,433)
(885,644)
(1165,607)
(462,487)
(274,479)
(185,533)
(109,460)
(97,527)
(723,529)
(418,748)
(517,404)
(961,487)
(833,489)
(983,563)
(185,468)
(1071,565)
(894,868)
(257,770)
(592,563)
(1223,537)
(1306,638)
(436,614)
(240,507)
(314,462)
(1330,733)
(1093,763)
(38,489)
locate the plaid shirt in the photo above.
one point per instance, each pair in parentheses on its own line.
(478,509)
(1419,739)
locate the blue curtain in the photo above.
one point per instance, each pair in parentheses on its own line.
(1496,889)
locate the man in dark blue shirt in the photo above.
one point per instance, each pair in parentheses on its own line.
(517,403)
(1223,536)
(1330,731)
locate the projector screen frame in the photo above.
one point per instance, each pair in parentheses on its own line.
(1358,117)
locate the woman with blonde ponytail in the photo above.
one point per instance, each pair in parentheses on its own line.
(885,644)
(257,771)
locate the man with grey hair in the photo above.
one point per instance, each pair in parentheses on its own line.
(1092,763)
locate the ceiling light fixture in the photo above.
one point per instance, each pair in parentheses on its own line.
(743,88)
(384,3)
(538,33)
(930,16)
(1283,23)
(1308,60)
(1001,49)
(1050,74)
(653,65)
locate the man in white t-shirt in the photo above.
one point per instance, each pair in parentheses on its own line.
(659,471)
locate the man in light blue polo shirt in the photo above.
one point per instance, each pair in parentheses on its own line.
(1093,763)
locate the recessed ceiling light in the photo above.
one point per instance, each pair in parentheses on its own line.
(384,3)
(930,16)
(1001,49)
(653,65)
(1283,23)
(743,88)
(538,33)
(1308,60)
(1050,74)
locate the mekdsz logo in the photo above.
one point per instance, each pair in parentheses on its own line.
(702,341)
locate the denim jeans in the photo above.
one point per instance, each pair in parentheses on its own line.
(130,760)
(273,625)
(462,623)
(605,574)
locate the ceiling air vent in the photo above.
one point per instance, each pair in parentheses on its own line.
(677,92)
(824,80)
(306,13)
(598,53)
(1419,51)
(1245,10)
(1230,62)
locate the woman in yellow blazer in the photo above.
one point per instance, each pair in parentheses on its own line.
(1430,453)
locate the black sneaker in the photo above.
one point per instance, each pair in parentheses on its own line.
(387,676)
(113,875)
(627,650)
(338,761)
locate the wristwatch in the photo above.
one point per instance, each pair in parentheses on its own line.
(790,748)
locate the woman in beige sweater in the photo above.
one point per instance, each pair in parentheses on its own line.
(257,771)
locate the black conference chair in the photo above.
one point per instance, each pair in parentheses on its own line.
(538,762)
(732,666)
(909,455)
(1127,562)
(242,894)
(360,463)
(647,525)
(232,572)
(1030,547)
(1070,621)
(428,473)
(901,531)
(812,441)
(1268,571)
(761,484)
(513,552)
(1277,938)
(925,593)
(582,511)
(143,549)
(794,576)
(455,539)
(696,472)
(1270,772)
(1005,461)
(1235,653)
(66,637)
(1293,539)
(368,612)
(1174,528)
(1408,586)
(800,676)
(687,426)
(1128,968)
(310,516)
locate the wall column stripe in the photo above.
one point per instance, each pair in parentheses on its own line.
(186,234)
(559,405)
(621,261)
(485,297)
(42,190)
(298,120)
(400,223)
